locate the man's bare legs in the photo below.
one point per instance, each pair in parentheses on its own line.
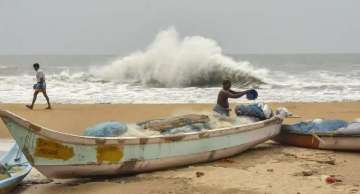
(47,99)
(35,96)
(34,99)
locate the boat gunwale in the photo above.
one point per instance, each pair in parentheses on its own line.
(320,134)
(87,140)
(336,143)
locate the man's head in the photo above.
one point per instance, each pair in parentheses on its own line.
(226,84)
(36,66)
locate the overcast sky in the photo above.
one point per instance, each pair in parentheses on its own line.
(122,26)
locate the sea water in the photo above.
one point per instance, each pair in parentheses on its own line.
(175,69)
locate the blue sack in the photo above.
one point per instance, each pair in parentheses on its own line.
(251,94)
(106,129)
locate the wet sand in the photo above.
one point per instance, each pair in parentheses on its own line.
(267,168)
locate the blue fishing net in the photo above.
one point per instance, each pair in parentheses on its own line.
(186,129)
(322,126)
(252,110)
(106,129)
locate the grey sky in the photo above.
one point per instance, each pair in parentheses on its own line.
(122,26)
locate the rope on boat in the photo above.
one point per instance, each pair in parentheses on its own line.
(18,155)
(10,166)
(316,137)
(20,148)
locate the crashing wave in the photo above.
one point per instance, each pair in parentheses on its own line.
(171,61)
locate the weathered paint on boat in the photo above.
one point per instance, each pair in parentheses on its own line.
(17,175)
(319,141)
(63,155)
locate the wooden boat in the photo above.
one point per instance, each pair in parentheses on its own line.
(61,155)
(326,141)
(17,168)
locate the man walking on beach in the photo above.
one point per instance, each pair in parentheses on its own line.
(40,86)
(222,105)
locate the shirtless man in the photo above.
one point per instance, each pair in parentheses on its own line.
(222,106)
(40,86)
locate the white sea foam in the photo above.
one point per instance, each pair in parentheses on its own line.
(67,87)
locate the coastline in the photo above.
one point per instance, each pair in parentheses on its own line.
(74,118)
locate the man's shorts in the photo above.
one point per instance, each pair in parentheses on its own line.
(39,86)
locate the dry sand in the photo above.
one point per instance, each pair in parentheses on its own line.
(267,168)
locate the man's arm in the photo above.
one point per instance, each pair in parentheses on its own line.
(233,94)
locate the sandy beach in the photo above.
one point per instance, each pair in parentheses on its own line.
(267,168)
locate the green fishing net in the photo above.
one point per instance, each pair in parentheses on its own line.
(4,173)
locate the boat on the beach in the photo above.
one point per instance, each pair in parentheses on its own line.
(62,155)
(14,169)
(326,141)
